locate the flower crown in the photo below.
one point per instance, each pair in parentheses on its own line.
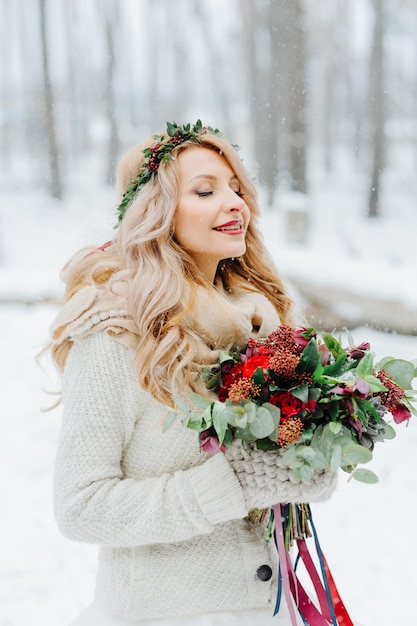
(160,152)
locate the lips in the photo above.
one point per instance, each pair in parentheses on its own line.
(235,226)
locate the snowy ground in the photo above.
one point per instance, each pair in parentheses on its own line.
(367,532)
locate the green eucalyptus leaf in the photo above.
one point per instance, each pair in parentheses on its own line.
(327,441)
(228,438)
(263,424)
(195,422)
(245,434)
(354,453)
(320,462)
(219,421)
(336,458)
(182,405)
(375,385)
(306,452)
(275,414)
(235,415)
(401,371)
(389,432)
(289,455)
(225,356)
(169,421)
(335,427)
(364,475)
(306,472)
(199,401)
(274,411)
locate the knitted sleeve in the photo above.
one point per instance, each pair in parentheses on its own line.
(94,500)
(266,481)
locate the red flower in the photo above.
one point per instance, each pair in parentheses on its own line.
(231,375)
(253,363)
(290,405)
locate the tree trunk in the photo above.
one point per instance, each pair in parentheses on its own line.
(55,179)
(262,81)
(111,18)
(377,110)
(247,14)
(297,96)
(216,66)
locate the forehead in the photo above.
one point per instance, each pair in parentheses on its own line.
(199,161)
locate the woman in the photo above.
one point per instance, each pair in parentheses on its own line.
(187,274)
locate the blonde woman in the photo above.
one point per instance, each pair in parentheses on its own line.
(186,274)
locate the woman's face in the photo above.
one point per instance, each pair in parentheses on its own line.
(212,217)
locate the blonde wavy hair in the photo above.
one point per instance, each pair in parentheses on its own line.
(158,271)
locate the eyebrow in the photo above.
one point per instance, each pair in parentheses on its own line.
(211,177)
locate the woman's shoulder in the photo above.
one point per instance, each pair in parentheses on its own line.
(93,309)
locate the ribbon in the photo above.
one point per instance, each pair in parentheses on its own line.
(290,526)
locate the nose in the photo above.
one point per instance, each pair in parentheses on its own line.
(233,202)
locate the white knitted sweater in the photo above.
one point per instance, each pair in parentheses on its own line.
(170,519)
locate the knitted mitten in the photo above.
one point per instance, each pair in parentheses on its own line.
(265,480)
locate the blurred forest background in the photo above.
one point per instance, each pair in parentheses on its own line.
(302,85)
(321,95)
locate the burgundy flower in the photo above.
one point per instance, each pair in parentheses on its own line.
(400,413)
(324,353)
(393,397)
(302,337)
(209,442)
(358,352)
(360,389)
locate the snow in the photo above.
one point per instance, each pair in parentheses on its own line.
(366,532)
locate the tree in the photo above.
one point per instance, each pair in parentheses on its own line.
(48,101)
(296,98)
(377,109)
(111,20)
(274,38)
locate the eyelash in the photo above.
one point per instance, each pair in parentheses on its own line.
(204,194)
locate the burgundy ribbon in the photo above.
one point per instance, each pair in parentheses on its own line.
(331,611)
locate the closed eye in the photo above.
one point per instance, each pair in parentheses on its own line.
(203,194)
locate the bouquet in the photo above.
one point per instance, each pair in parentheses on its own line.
(326,406)
(300,390)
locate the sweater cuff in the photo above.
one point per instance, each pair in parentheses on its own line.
(217,490)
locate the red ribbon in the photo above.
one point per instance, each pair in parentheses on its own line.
(332,611)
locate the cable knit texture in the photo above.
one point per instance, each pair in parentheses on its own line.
(265,479)
(170,519)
